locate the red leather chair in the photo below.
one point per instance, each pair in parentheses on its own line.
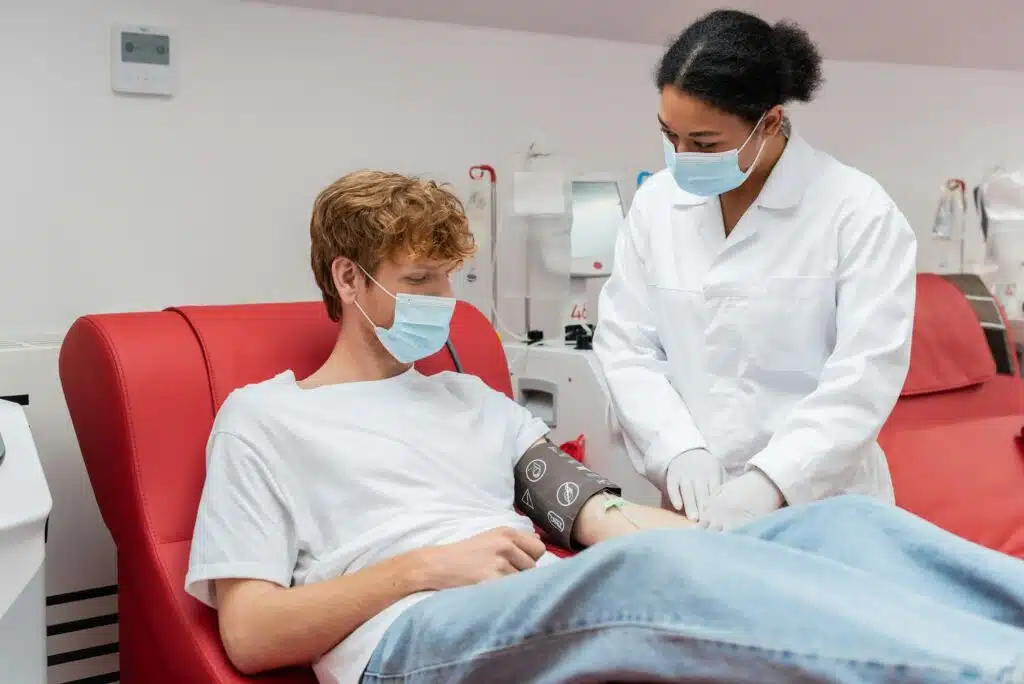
(950,441)
(952,374)
(142,390)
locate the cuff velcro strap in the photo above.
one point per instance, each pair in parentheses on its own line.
(551,488)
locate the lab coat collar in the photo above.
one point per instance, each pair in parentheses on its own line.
(792,173)
(785,186)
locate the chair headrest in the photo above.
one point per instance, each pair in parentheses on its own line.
(250,343)
(245,344)
(949,350)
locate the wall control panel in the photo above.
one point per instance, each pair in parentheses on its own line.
(142,61)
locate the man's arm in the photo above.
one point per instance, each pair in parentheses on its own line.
(244,552)
(598,522)
(575,506)
(266,626)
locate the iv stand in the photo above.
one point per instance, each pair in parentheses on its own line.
(531,154)
(476,173)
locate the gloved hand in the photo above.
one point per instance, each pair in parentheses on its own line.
(692,477)
(745,498)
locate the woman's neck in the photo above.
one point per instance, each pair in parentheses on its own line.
(735,203)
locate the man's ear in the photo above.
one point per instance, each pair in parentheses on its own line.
(345,274)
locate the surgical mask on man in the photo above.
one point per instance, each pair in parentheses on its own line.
(421,324)
(707,174)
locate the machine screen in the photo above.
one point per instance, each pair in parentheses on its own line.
(597,215)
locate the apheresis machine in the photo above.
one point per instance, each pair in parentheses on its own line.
(1000,203)
(992,248)
(548,260)
(24,507)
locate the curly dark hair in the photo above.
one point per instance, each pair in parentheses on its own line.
(741,64)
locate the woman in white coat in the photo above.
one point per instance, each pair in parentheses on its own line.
(755,332)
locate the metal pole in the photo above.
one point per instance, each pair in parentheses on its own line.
(476,173)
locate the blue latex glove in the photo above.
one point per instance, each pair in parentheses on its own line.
(748,497)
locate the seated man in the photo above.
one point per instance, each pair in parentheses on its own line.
(361,520)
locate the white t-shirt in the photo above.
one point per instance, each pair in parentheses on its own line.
(303,485)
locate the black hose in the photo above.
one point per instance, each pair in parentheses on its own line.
(455,357)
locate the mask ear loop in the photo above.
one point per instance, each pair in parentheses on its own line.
(362,311)
(384,289)
(764,141)
(374,281)
(751,136)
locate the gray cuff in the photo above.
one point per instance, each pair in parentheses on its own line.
(551,488)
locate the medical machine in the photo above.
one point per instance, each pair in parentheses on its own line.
(564,387)
(24,507)
(557,376)
(1001,205)
(598,212)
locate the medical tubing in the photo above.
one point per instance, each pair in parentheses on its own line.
(619,504)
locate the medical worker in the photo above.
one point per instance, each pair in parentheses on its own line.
(755,332)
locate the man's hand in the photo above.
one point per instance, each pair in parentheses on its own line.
(749,496)
(691,480)
(486,556)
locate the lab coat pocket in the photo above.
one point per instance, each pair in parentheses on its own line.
(680,321)
(794,321)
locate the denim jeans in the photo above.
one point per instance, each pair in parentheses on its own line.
(844,590)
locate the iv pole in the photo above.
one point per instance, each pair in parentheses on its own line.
(531,335)
(476,173)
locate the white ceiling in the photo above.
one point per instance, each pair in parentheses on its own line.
(986,34)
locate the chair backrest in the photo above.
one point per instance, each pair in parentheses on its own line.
(952,373)
(143,390)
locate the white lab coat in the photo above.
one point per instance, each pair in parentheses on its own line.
(783,347)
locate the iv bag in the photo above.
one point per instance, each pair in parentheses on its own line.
(951,213)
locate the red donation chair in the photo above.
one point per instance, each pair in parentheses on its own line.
(142,389)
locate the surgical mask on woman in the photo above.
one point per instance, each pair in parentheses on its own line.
(421,324)
(707,174)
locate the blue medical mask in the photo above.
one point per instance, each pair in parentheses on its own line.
(707,174)
(421,325)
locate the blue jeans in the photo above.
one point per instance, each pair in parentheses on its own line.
(843,590)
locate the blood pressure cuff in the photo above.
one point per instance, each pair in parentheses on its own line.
(551,488)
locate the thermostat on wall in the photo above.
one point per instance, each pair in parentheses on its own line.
(141,61)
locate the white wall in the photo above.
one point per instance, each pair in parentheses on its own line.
(111,203)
